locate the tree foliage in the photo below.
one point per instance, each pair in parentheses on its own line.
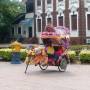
(8,11)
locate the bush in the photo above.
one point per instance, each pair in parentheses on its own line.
(85,56)
(23,55)
(6,54)
(72,56)
(78,48)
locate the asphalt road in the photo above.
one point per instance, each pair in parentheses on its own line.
(12,77)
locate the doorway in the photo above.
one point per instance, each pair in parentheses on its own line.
(30,31)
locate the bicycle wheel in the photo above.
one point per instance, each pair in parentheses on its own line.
(62,65)
(42,65)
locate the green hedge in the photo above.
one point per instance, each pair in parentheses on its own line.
(6,54)
(78,48)
(23,55)
(72,56)
(85,56)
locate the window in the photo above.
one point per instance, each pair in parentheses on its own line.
(24,32)
(19,30)
(13,31)
(29,6)
(60,0)
(74,22)
(88,41)
(48,1)
(88,21)
(60,21)
(39,25)
(30,31)
(38,2)
(48,20)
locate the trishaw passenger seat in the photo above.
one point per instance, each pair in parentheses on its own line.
(58,53)
(50,53)
(50,50)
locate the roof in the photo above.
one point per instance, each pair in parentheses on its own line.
(19,18)
(27,22)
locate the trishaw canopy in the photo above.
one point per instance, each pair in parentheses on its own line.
(56,35)
(58,32)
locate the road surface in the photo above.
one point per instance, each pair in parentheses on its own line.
(12,77)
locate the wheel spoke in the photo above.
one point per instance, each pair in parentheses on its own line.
(63,65)
(43,66)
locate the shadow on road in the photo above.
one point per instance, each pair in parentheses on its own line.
(50,73)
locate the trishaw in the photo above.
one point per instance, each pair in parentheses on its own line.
(53,52)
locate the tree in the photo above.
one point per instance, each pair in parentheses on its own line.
(8,11)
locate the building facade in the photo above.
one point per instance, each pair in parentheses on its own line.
(74,14)
(24,23)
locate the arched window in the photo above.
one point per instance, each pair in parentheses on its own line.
(38,2)
(74,22)
(60,20)
(88,21)
(49,20)
(60,0)
(19,30)
(48,1)
(39,25)
(12,30)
